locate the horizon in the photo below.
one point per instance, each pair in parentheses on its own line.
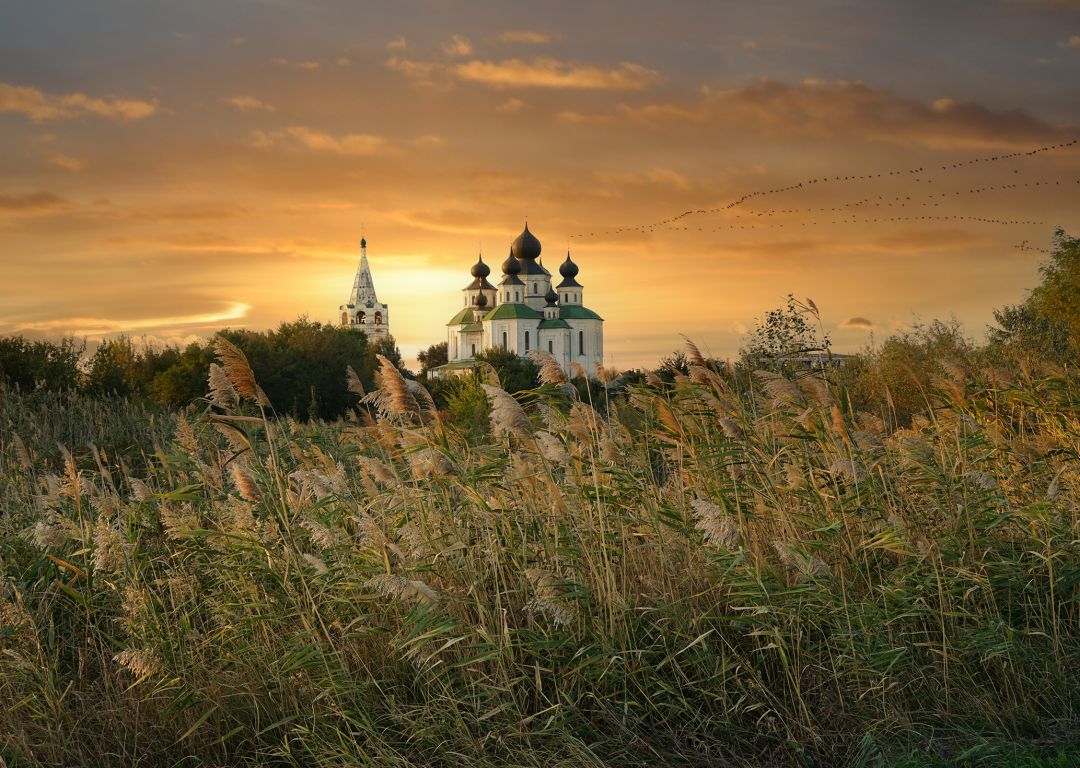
(185,169)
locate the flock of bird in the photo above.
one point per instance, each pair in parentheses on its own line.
(858,211)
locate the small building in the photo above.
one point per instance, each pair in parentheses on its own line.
(526,311)
(365,312)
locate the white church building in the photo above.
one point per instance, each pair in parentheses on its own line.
(365,312)
(526,311)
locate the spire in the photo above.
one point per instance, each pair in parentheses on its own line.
(363,291)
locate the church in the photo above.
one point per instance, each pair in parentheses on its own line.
(526,311)
(364,312)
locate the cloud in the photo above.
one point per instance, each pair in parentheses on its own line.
(428,140)
(860,323)
(350,144)
(523,36)
(98,326)
(67,162)
(842,109)
(238,40)
(33,202)
(458,46)
(249,104)
(510,105)
(1072,42)
(422,72)
(310,65)
(552,73)
(664,177)
(397,44)
(40,106)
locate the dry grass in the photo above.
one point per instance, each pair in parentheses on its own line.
(697,575)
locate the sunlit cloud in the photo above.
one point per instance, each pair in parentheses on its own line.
(552,73)
(249,104)
(1072,42)
(40,106)
(96,327)
(458,46)
(32,202)
(523,36)
(510,105)
(397,44)
(309,64)
(351,144)
(67,162)
(860,323)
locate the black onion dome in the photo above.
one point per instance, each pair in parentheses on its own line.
(481,300)
(480,269)
(568,268)
(363,242)
(526,246)
(552,298)
(511,266)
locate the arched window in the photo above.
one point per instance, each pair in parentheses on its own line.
(581,342)
(508,295)
(551,346)
(526,341)
(517,296)
(504,339)
(474,350)
(344,318)
(361,318)
(378,318)
(535,289)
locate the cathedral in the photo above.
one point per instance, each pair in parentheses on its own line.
(526,311)
(364,312)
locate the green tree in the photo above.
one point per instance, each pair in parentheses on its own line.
(783,333)
(51,364)
(432,357)
(1047,324)
(516,373)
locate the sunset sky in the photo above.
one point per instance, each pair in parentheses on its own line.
(168,169)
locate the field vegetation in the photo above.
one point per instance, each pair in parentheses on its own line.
(707,564)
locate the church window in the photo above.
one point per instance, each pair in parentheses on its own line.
(344,318)
(535,289)
(517,296)
(378,318)
(508,295)
(474,350)
(581,342)
(504,339)
(526,341)
(361,318)
(551,346)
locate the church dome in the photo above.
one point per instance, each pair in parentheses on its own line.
(526,246)
(568,268)
(480,269)
(511,266)
(481,301)
(552,297)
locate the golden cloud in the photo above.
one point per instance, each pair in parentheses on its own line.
(552,73)
(458,46)
(523,36)
(860,323)
(40,106)
(846,108)
(249,104)
(33,202)
(350,144)
(67,162)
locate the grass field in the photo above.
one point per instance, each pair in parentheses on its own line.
(693,573)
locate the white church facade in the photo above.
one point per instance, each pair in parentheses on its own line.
(364,312)
(526,311)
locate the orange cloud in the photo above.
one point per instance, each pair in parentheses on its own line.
(523,36)
(860,323)
(458,46)
(249,104)
(67,162)
(351,144)
(552,73)
(40,106)
(851,109)
(33,202)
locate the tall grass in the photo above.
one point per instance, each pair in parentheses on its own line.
(695,575)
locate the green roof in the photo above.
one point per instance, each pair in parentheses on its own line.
(456,365)
(464,316)
(514,312)
(573,312)
(472,328)
(557,323)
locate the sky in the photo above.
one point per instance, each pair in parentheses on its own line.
(171,168)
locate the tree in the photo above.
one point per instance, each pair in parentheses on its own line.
(432,357)
(516,373)
(784,333)
(1047,324)
(51,364)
